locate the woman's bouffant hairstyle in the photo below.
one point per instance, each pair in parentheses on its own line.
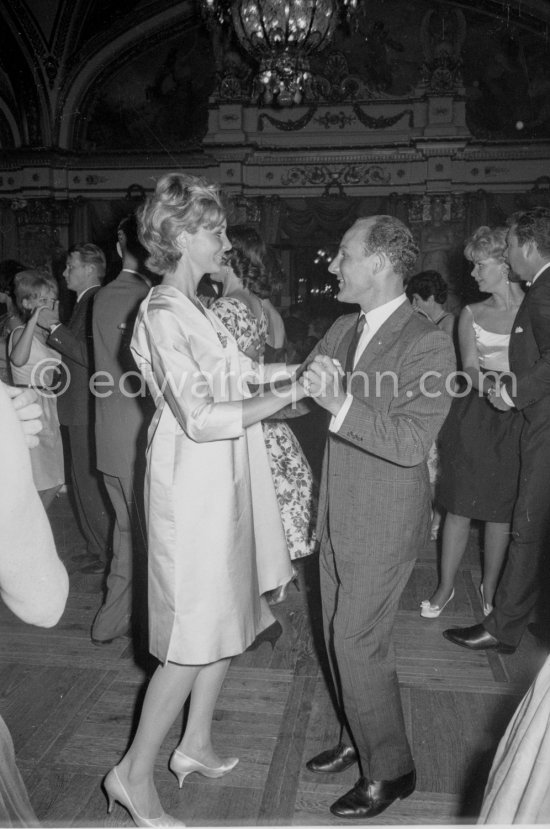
(486,242)
(427,284)
(30,285)
(180,202)
(248,257)
(390,236)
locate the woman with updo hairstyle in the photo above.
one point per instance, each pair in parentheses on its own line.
(34,363)
(244,280)
(215,542)
(479,445)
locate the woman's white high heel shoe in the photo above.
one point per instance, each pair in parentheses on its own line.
(116,791)
(432,611)
(182,765)
(487,608)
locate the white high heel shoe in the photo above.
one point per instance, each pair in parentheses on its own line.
(432,611)
(116,791)
(487,608)
(182,765)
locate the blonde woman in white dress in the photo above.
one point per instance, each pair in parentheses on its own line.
(215,538)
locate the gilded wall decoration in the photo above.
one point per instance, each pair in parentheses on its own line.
(37,227)
(381,122)
(287,125)
(335,119)
(322,175)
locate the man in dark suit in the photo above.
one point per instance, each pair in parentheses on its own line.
(123,412)
(374,508)
(528,389)
(84,273)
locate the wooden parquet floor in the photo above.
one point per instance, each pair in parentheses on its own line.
(71,708)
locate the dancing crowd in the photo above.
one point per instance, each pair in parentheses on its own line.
(176,398)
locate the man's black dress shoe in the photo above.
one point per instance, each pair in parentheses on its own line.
(370,797)
(93,568)
(476,638)
(333,760)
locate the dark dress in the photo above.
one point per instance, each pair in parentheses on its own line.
(479,446)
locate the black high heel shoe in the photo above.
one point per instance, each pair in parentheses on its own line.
(271,634)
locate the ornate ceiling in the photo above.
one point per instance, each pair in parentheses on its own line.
(89,75)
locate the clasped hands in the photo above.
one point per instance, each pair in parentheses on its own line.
(322,380)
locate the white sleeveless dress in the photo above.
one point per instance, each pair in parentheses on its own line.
(38,371)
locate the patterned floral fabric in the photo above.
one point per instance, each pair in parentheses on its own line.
(237,318)
(292,476)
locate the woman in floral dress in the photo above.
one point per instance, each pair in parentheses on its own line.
(242,313)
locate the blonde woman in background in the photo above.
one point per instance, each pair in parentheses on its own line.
(478,445)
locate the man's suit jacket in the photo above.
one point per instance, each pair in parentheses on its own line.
(375,495)
(121,418)
(529,353)
(75,342)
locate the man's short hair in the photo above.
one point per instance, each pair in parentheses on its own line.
(427,284)
(91,254)
(390,236)
(129,227)
(532,225)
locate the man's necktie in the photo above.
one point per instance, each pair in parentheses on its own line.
(350,356)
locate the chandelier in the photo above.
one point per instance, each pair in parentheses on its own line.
(280,35)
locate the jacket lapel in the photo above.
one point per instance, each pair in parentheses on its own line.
(385,335)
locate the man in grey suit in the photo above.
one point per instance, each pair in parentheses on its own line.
(123,412)
(374,511)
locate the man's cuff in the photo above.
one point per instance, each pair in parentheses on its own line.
(506,397)
(337,420)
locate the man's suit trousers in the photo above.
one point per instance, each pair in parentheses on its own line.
(526,566)
(89,491)
(115,616)
(360,597)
